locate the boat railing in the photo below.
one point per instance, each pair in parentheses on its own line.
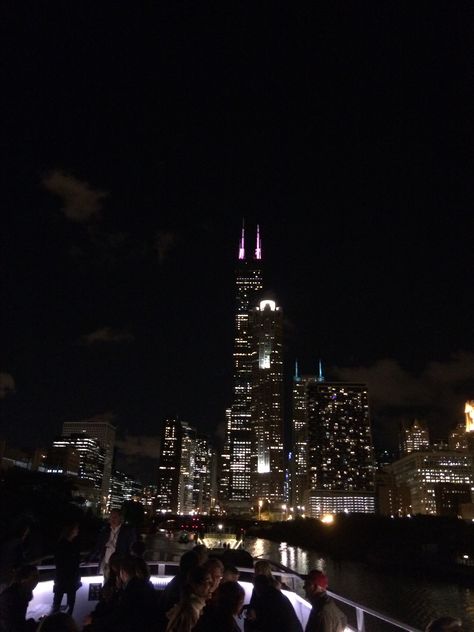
(290,579)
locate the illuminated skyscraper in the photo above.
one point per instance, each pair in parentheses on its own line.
(416,437)
(299,444)
(267,461)
(169,466)
(104,432)
(340,454)
(239,435)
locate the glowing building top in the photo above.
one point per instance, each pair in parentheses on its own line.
(469,411)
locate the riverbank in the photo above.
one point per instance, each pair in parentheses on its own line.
(423,544)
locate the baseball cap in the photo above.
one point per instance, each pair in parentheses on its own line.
(317,578)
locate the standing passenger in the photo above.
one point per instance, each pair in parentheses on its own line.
(67,559)
(115,538)
(325,616)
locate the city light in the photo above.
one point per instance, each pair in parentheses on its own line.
(327,519)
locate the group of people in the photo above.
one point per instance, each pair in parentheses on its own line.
(204,596)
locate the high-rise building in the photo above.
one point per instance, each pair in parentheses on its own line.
(169,465)
(267,461)
(240,432)
(91,456)
(202,475)
(104,432)
(186,469)
(299,440)
(414,438)
(340,453)
(437,480)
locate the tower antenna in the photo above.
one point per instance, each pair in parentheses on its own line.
(242,242)
(258,249)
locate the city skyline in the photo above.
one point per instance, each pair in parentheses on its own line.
(129,166)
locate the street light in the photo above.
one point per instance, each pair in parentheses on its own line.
(260,503)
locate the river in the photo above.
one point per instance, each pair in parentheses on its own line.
(409,599)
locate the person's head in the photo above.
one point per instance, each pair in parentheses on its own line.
(58,622)
(263,584)
(128,568)
(230,574)
(230,597)
(27,577)
(445,624)
(114,564)
(315,583)
(262,567)
(202,552)
(188,561)
(138,548)
(115,518)
(70,531)
(200,582)
(216,570)
(141,568)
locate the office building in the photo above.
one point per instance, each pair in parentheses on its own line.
(415,437)
(91,457)
(104,432)
(341,464)
(299,438)
(169,466)
(267,461)
(436,480)
(239,439)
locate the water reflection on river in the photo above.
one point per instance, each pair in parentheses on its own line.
(412,600)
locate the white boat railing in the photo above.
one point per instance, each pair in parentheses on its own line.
(161,570)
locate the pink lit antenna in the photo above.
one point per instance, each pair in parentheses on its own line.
(242,243)
(258,249)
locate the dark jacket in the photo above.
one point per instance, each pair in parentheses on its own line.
(214,619)
(67,558)
(125,538)
(273,611)
(13,606)
(325,616)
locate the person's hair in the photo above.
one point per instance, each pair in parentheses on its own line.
(444,624)
(119,512)
(212,564)
(128,565)
(262,567)
(114,563)
(202,552)
(231,569)
(58,622)
(67,530)
(141,568)
(229,597)
(25,572)
(188,561)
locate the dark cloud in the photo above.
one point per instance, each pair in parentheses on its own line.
(436,393)
(81,203)
(139,445)
(7,385)
(107,335)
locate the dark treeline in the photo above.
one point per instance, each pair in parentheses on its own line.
(422,542)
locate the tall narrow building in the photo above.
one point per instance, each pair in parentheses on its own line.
(340,453)
(169,465)
(239,435)
(267,461)
(299,440)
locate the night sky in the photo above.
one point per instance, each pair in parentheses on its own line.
(136,140)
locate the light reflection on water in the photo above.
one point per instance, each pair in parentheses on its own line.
(413,600)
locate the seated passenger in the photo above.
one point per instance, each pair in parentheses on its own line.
(227,603)
(14,601)
(58,622)
(269,609)
(184,615)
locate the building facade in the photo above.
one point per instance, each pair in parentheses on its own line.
(104,432)
(91,456)
(240,432)
(415,437)
(266,349)
(169,466)
(436,480)
(341,467)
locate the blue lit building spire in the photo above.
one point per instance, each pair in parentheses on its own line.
(297,376)
(320,377)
